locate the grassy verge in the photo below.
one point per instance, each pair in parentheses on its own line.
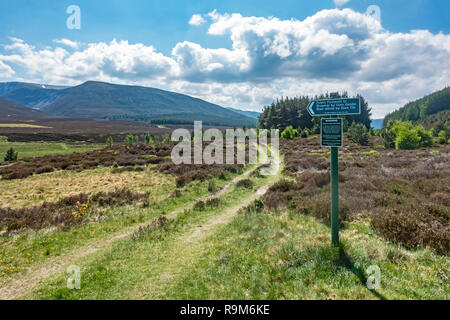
(139,266)
(288,256)
(39,149)
(33,249)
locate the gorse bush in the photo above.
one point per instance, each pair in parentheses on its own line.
(305,133)
(359,134)
(406,136)
(129,141)
(148,139)
(442,137)
(407,140)
(109,142)
(11,155)
(289,133)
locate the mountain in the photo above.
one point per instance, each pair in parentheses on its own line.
(99,100)
(31,95)
(377,124)
(13,111)
(430,110)
(251,114)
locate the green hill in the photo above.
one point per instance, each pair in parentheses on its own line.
(429,111)
(10,111)
(99,100)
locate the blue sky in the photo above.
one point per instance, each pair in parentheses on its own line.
(266,50)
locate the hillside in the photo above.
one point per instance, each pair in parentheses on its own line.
(428,111)
(251,114)
(13,111)
(98,100)
(31,95)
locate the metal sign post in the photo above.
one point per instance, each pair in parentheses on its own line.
(331,135)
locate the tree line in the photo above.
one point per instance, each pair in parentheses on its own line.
(431,111)
(286,112)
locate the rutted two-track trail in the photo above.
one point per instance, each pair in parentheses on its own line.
(37,277)
(192,244)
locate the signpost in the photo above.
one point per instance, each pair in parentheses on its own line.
(331,135)
(334,107)
(331,132)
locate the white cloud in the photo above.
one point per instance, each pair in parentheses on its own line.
(197,20)
(333,50)
(340,3)
(6,71)
(114,61)
(67,42)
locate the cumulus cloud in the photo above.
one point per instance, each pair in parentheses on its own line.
(340,3)
(68,43)
(197,20)
(333,50)
(117,60)
(6,71)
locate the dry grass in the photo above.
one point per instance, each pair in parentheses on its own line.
(22,125)
(53,186)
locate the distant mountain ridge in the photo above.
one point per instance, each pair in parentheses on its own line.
(377,123)
(11,111)
(100,100)
(428,110)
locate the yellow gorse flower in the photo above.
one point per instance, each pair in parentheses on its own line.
(80,211)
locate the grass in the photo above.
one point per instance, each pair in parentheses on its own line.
(22,125)
(53,186)
(277,248)
(33,249)
(137,266)
(40,149)
(281,255)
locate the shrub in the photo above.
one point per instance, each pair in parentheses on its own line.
(148,139)
(426,138)
(413,228)
(129,141)
(289,133)
(44,169)
(371,153)
(109,142)
(11,155)
(181,181)
(19,174)
(405,135)
(245,183)
(166,138)
(199,206)
(388,136)
(212,203)
(3,139)
(442,137)
(407,140)
(212,186)
(358,134)
(305,133)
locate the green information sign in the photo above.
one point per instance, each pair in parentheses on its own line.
(331,132)
(334,107)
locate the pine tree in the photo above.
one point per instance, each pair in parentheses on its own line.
(11,155)
(109,142)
